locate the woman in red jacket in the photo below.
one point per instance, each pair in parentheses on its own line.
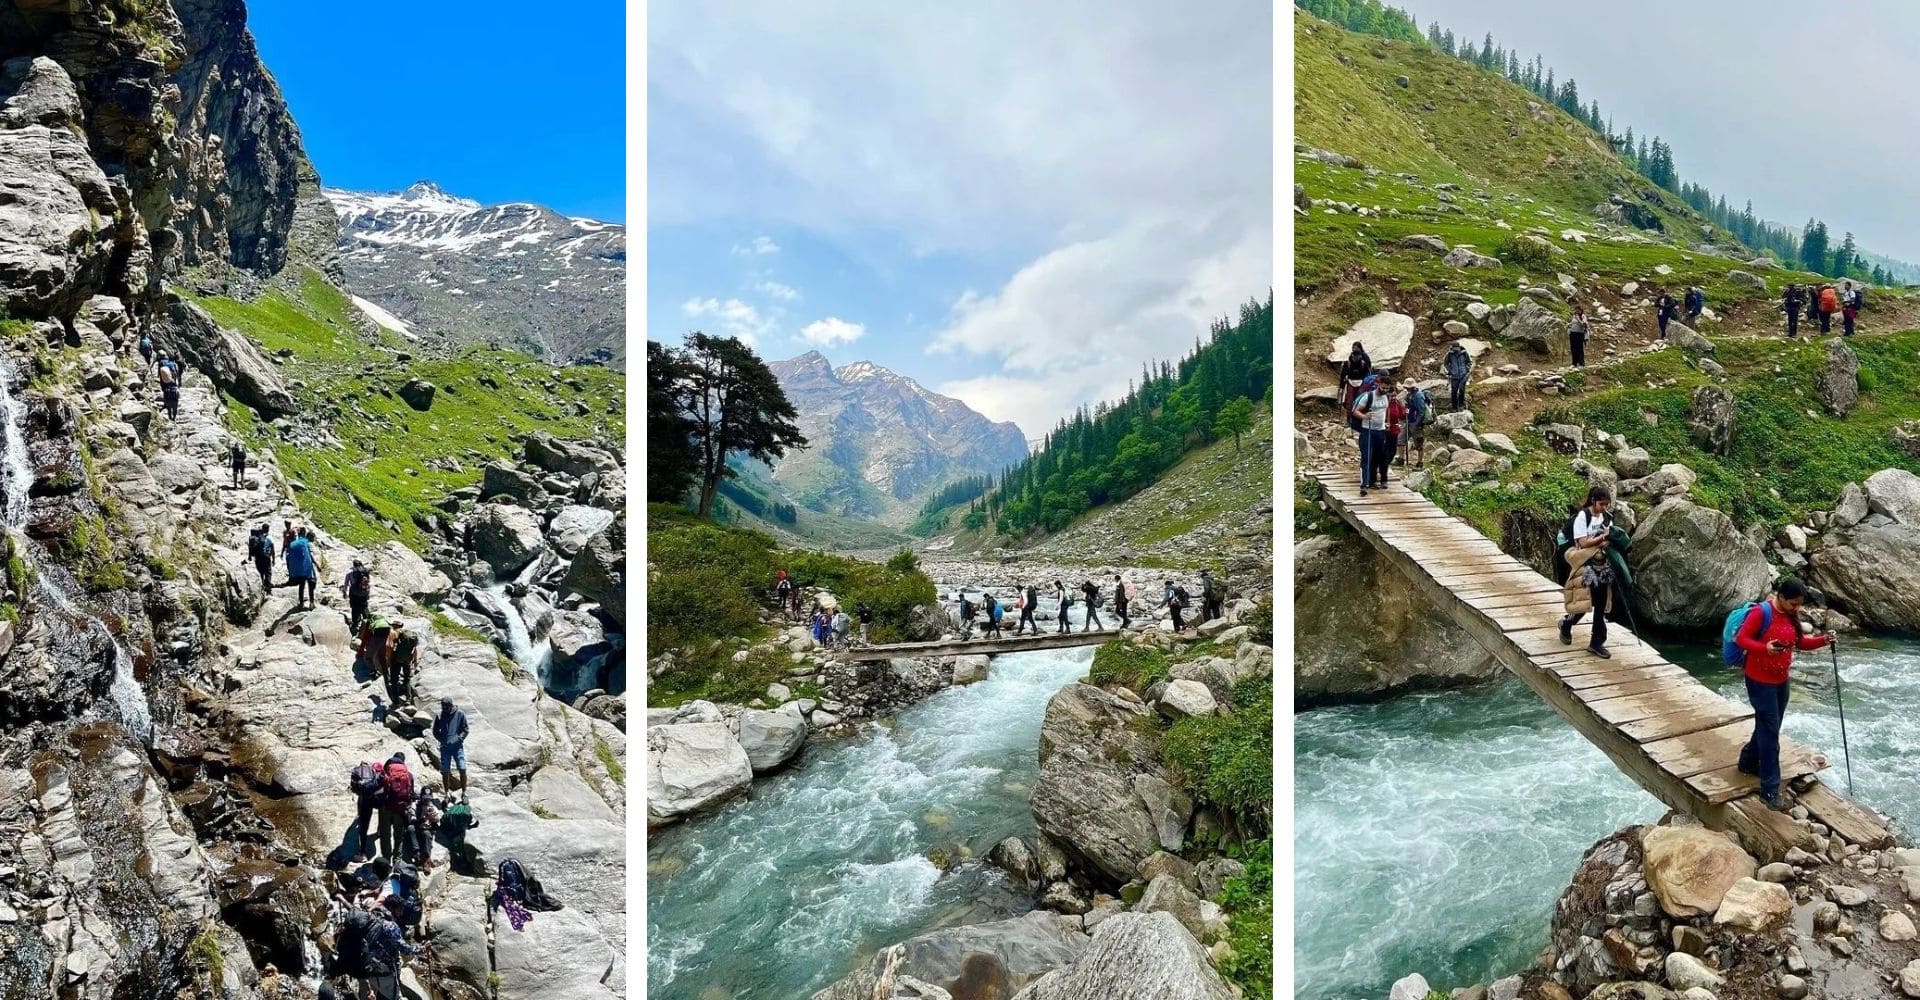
(1769,635)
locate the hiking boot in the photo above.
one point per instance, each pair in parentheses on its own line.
(1566,631)
(1363,491)
(1600,651)
(1773,801)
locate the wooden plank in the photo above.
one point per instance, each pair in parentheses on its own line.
(1702,751)
(1524,599)
(1602,691)
(1573,660)
(1675,698)
(1724,784)
(988,647)
(1854,822)
(1471,593)
(1523,618)
(1681,723)
(1581,683)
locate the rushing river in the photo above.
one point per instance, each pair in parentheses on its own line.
(779,894)
(1433,832)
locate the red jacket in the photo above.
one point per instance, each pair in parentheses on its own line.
(1763,664)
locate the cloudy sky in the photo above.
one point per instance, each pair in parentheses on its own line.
(1806,108)
(1015,206)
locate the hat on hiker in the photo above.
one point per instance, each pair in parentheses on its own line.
(399,757)
(446,701)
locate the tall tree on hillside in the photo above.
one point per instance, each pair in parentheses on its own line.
(1433,34)
(735,405)
(1446,42)
(1236,418)
(672,462)
(1488,53)
(1513,66)
(1846,260)
(1813,247)
(1546,89)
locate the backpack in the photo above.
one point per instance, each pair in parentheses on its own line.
(1215,590)
(1730,650)
(1180,597)
(1419,405)
(350,943)
(1093,595)
(396,784)
(364,778)
(1828,301)
(404,647)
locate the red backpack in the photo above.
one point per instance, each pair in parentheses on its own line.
(396,784)
(1829,302)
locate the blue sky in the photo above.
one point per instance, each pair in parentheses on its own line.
(953,193)
(491,103)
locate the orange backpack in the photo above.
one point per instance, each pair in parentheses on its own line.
(1829,302)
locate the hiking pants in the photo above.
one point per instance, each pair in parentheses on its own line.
(385,986)
(1065,627)
(1120,606)
(1209,610)
(400,682)
(1599,596)
(363,814)
(306,589)
(1577,342)
(1383,451)
(419,844)
(1456,392)
(1093,618)
(1826,321)
(265,567)
(1026,619)
(1663,325)
(1793,322)
(357,605)
(393,831)
(1761,755)
(239,472)
(1178,625)
(1846,322)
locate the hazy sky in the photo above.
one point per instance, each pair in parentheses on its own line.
(1806,108)
(1015,204)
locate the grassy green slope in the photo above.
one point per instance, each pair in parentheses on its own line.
(394,462)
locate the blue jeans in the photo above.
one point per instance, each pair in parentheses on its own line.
(1761,755)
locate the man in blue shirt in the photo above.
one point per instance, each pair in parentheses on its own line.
(299,556)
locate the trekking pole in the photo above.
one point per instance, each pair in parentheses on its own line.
(1627,603)
(1839,698)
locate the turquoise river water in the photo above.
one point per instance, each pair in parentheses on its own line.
(1433,832)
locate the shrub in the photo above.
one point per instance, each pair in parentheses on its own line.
(1248,899)
(1227,761)
(1529,252)
(1121,662)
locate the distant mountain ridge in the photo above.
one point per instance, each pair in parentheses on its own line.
(880,442)
(519,275)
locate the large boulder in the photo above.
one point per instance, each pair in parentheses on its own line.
(1691,566)
(56,207)
(1540,329)
(1894,493)
(1751,905)
(970,961)
(506,537)
(418,393)
(598,572)
(772,739)
(1838,384)
(691,767)
(1747,279)
(1092,746)
(574,525)
(1466,256)
(1361,630)
(402,568)
(1385,336)
(573,458)
(1710,422)
(1135,956)
(503,479)
(1871,570)
(1687,338)
(1689,868)
(228,358)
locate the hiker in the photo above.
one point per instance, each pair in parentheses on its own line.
(841,625)
(822,625)
(1829,304)
(423,819)
(287,535)
(1213,597)
(260,551)
(1849,307)
(386,943)
(1664,309)
(1062,602)
(299,553)
(237,461)
(966,614)
(864,612)
(783,594)
(1813,304)
(994,611)
(1093,623)
(1121,594)
(1767,636)
(450,731)
(392,801)
(1589,583)
(1413,440)
(403,658)
(169,394)
(364,782)
(1458,364)
(1370,409)
(1696,304)
(1176,599)
(1577,336)
(357,588)
(1790,302)
(376,641)
(146,351)
(455,821)
(1029,597)
(1357,367)
(1388,446)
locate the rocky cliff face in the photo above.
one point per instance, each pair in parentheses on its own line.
(878,441)
(517,275)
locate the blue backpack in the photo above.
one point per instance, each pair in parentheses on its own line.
(1730,650)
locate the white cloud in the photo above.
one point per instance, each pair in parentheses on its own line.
(776,290)
(755,247)
(830,331)
(732,317)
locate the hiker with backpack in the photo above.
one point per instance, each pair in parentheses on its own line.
(1092,592)
(376,642)
(841,626)
(1413,440)
(1458,364)
(1213,597)
(784,595)
(1577,335)
(455,821)
(146,351)
(393,801)
(260,552)
(1122,594)
(169,375)
(966,614)
(1062,601)
(863,613)
(403,660)
(299,555)
(1664,309)
(423,819)
(993,614)
(1352,373)
(357,588)
(1761,636)
(1387,446)
(450,731)
(1176,599)
(1790,302)
(1850,301)
(237,461)
(1029,597)
(1588,585)
(364,782)
(1696,304)
(1371,409)
(1829,304)
(371,947)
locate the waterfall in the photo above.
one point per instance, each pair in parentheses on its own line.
(16,478)
(529,656)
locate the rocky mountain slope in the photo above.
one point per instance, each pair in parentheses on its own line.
(174,738)
(520,276)
(878,442)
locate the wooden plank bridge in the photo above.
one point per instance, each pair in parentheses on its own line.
(983,647)
(1670,733)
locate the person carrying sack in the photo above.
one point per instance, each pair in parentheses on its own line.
(1764,635)
(1589,582)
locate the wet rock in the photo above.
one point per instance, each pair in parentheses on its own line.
(1135,956)
(1753,906)
(772,739)
(692,767)
(506,538)
(1000,956)
(598,571)
(574,526)
(969,669)
(502,479)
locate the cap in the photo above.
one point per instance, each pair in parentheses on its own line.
(446,701)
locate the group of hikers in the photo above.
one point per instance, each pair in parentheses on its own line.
(827,622)
(1820,304)
(1392,426)
(990,611)
(1760,636)
(296,549)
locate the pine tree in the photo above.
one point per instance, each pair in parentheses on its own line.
(1433,33)
(1513,66)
